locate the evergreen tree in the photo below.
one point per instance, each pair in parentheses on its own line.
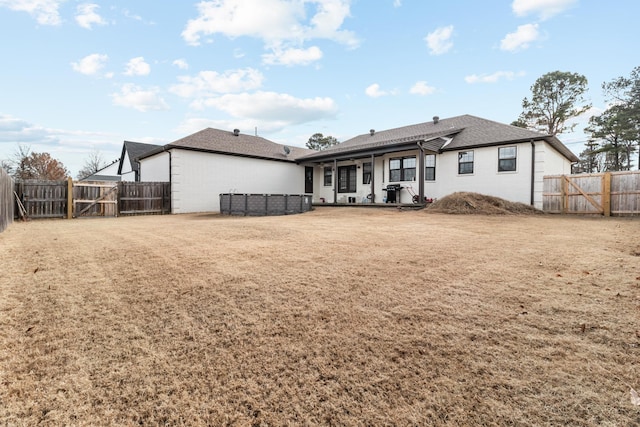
(321,142)
(556,97)
(624,94)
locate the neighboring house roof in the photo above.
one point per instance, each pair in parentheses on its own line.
(102,175)
(98,177)
(225,142)
(456,133)
(135,150)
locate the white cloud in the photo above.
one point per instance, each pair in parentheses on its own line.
(90,64)
(137,67)
(181,63)
(272,107)
(326,23)
(293,56)
(208,83)
(44,11)
(521,39)
(281,24)
(492,78)
(374,91)
(132,96)
(15,130)
(266,19)
(86,15)
(422,88)
(397,3)
(545,9)
(439,41)
(130,15)
(68,146)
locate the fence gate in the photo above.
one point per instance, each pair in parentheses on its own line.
(608,193)
(95,199)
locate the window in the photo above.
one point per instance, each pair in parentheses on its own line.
(465,162)
(430,167)
(402,169)
(366,173)
(327,176)
(507,159)
(347,179)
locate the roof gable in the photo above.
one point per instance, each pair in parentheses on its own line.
(134,150)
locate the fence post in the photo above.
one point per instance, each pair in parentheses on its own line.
(606,194)
(565,194)
(69,198)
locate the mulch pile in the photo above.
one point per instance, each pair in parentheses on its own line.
(465,203)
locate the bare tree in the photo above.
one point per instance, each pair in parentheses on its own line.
(92,164)
(7,165)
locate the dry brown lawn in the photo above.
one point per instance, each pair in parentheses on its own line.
(334,317)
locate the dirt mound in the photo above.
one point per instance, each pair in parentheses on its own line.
(479,204)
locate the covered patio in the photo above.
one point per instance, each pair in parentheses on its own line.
(364,175)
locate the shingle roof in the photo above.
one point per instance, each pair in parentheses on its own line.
(220,141)
(135,150)
(100,176)
(466,132)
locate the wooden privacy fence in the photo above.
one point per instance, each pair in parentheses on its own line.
(609,193)
(68,199)
(6,200)
(43,199)
(144,198)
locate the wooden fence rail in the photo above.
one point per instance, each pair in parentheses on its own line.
(68,199)
(609,193)
(6,200)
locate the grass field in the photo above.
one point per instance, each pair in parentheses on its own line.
(333,317)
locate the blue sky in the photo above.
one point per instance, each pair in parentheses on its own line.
(83,76)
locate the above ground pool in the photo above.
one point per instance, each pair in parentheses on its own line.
(264,204)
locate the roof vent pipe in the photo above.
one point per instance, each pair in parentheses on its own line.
(372,131)
(236,132)
(436,119)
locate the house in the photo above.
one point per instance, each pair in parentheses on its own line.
(415,162)
(437,158)
(128,164)
(107,173)
(211,162)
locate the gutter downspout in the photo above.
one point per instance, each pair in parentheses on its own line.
(533,170)
(373,179)
(335,181)
(421,174)
(170,182)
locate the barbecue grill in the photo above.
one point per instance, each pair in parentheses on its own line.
(393,193)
